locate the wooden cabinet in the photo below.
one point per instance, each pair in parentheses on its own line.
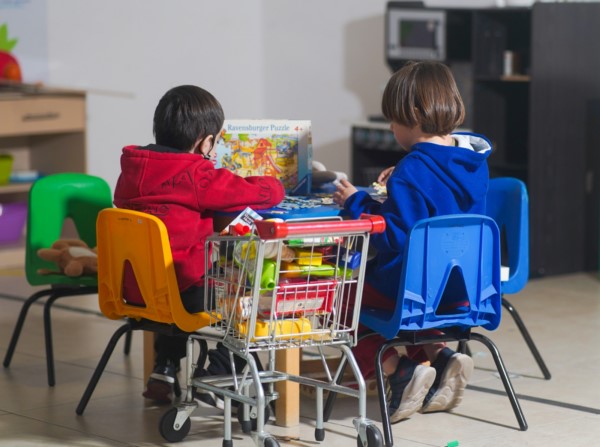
(542,116)
(45,131)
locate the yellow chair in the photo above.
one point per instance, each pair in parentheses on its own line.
(135,241)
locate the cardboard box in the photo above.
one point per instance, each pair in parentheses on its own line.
(279,148)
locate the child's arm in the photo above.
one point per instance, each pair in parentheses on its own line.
(385,175)
(344,189)
(222,190)
(402,208)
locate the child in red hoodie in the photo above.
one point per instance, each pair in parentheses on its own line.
(175,180)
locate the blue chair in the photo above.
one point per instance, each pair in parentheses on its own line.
(508,205)
(446,259)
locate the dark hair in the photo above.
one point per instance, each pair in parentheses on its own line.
(425,94)
(185,114)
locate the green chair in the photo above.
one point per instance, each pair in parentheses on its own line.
(52,200)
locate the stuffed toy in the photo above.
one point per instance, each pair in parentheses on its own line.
(72,256)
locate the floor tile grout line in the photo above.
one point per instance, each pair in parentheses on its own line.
(540,400)
(55,305)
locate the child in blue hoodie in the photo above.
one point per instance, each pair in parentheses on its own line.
(443,173)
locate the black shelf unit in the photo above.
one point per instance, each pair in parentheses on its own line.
(543,119)
(373,149)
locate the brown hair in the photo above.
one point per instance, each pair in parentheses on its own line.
(425,94)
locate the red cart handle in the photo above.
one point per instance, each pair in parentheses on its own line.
(280,230)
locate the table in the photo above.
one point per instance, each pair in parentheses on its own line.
(287,406)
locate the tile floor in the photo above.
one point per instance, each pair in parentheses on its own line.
(562,314)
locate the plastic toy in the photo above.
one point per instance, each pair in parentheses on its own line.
(9,66)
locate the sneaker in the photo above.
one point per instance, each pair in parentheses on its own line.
(161,384)
(453,372)
(408,387)
(207,397)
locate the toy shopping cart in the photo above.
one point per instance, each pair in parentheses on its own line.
(283,286)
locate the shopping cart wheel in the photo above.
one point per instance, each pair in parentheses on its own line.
(271,442)
(248,426)
(374,437)
(319,434)
(167,426)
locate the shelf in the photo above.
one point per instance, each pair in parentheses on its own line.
(511,78)
(45,131)
(516,78)
(12,188)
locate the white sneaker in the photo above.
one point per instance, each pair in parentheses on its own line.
(448,393)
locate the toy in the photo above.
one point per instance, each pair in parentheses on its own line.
(9,66)
(72,256)
(277,148)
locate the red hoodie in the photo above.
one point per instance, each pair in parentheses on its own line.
(184,190)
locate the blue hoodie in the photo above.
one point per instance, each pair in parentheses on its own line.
(431,180)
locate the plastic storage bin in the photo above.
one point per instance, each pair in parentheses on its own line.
(12,221)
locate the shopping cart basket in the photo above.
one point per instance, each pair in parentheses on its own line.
(283,286)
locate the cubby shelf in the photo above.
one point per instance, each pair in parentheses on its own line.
(44,130)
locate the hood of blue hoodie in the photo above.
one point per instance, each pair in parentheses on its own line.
(461,170)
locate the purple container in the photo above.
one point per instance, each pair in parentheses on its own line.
(12,221)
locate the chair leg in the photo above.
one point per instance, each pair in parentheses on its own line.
(463,348)
(525,333)
(20,321)
(203,352)
(177,387)
(48,339)
(504,376)
(87,394)
(57,293)
(127,345)
(385,418)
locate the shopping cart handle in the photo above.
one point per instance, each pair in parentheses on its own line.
(279,230)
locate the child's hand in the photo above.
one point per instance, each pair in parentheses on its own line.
(344,190)
(385,175)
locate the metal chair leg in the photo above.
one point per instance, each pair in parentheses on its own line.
(463,348)
(504,376)
(385,418)
(525,333)
(87,394)
(20,321)
(48,339)
(127,345)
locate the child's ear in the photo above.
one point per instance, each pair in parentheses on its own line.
(205,145)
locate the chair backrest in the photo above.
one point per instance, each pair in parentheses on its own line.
(508,205)
(138,242)
(450,277)
(53,199)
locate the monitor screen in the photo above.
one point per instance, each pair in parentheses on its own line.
(414,34)
(417,33)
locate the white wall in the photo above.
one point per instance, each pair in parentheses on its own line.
(325,62)
(313,59)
